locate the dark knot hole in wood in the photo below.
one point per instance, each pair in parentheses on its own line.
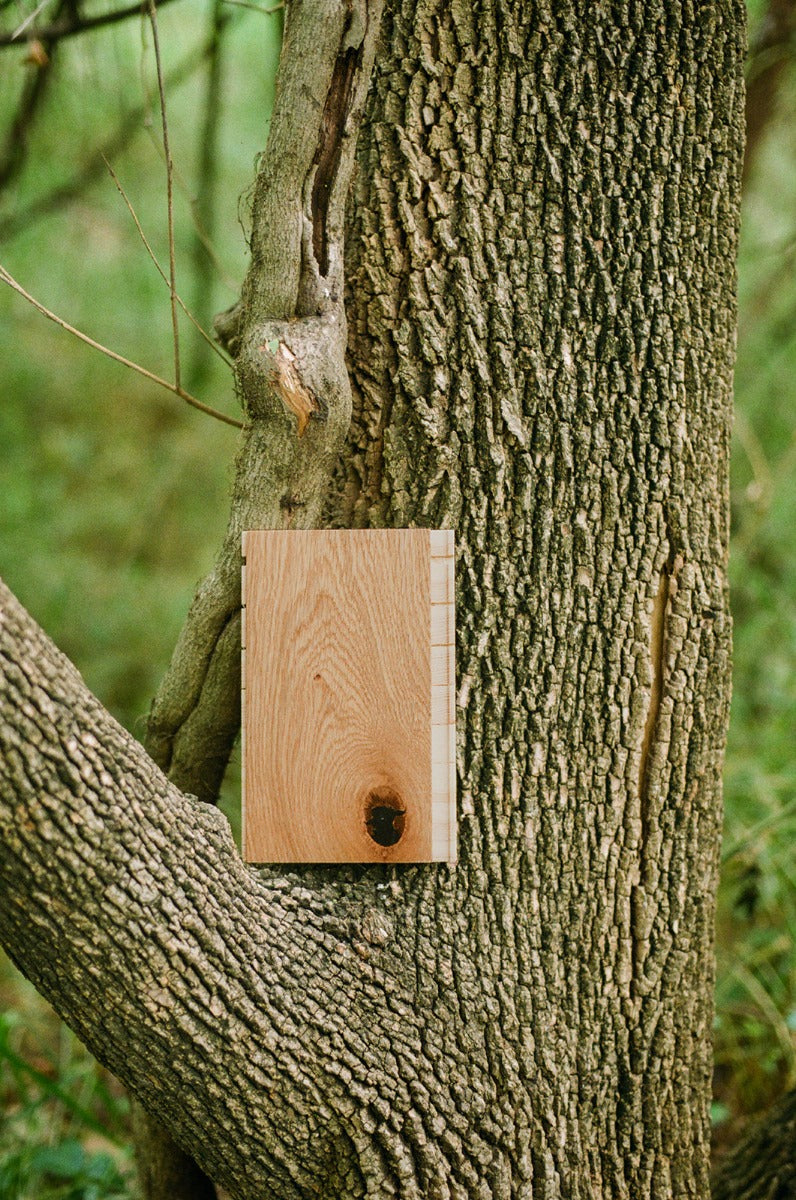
(385,817)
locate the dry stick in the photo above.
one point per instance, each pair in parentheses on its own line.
(204,205)
(153,20)
(68,28)
(126,362)
(185,191)
(266,12)
(28,20)
(203,332)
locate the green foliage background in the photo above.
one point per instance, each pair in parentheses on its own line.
(113,494)
(113,498)
(756,928)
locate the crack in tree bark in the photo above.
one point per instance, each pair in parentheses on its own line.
(330,148)
(657,637)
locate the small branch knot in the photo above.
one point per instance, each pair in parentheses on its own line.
(287,382)
(227,328)
(294,371)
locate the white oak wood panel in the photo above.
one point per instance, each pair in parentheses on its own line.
(348,717)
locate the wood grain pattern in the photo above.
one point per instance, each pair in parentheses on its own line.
(348,696)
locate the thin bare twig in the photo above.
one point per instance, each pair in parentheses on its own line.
(203,205)
(185,191)
(75,24)
(126,362)
(203,332)
(266,12)
(175,325)
(29,19)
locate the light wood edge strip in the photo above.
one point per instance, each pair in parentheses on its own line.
(443,732)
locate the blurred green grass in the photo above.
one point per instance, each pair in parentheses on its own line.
(114,498)
(64,1133)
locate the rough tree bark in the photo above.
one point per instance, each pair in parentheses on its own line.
(540,303)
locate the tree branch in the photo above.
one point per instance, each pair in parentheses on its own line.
(119,358)
(76,24)
(327,53)
(127,905)
(153,257)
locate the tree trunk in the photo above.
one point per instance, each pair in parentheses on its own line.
(763,1166)
(541,330)
(163,1170)
(769,58)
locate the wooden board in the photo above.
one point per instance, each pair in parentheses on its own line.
(348,696)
